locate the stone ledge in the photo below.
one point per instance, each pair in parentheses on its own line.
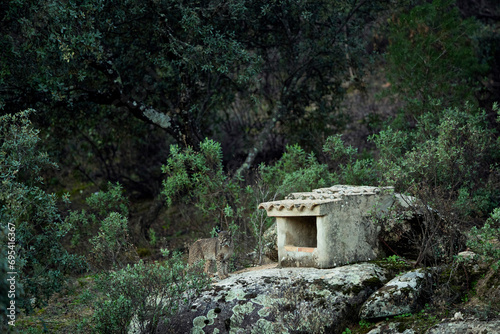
(300,249)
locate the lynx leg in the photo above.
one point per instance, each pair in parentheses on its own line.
(208,264)
(220,269)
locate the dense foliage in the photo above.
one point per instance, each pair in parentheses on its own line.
(432,55)
(242,68)
(177,118)
(143,295)
(199,177)
(30,214)
(103,228)
(451,155)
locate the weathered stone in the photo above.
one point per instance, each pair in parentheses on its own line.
(472,263)
(466,327)
(390,328)
(408,222)
(447,327)
(468,256)
(399,296)
(281,300)
(488,290)
(328,227)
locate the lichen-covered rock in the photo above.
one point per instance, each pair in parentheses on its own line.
(445,327)
(472,263)
(466,327)
(399,296)
(391,328)
(281,300)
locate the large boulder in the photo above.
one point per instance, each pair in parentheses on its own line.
(401,295)
(466,327)
(488,289)
(281,301)
(408,222)
(391,328)
(482,271)
(472,326)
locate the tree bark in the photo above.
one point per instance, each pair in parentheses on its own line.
(260,142)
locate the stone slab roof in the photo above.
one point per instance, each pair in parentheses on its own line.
(309,200)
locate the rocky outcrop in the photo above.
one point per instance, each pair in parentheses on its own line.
(405,225)
(487,279)
(391,328)
(401,295)
(472,326)
(310,300)
(466,327)
(281,300)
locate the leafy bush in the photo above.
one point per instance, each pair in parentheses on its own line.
(112,241)
(143,294)
(258,219)
(105,227)
(449,157)
(298,171)
(486,240)
(41,261)
(347,165)
(198,177)
(112,199)
(99,205)
(448,164)
(295,171)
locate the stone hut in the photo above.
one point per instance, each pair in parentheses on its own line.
(328,227)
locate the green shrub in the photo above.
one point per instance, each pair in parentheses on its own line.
(41,261)
(104,226)
(111,200)
(346,165)
(295,171)
(447,161)
(145,294)
(298,171)
(199,178)
(111,242)
(99,206)
(486,240)
(258,219)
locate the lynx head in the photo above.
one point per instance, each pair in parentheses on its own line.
(225,239)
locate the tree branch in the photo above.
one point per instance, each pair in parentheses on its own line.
(260,142)
(115,96)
